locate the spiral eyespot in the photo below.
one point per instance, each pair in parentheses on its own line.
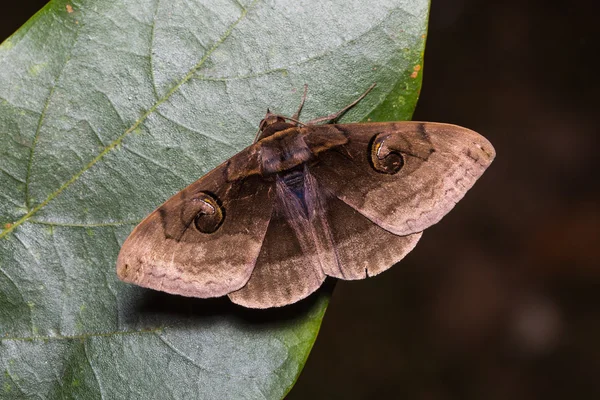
(210,215)
(384,158)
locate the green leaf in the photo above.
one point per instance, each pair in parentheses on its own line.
(109,107)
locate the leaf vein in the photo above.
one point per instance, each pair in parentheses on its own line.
(89,360)
(12,176)
(38,129)
(8,338)
(152,78)
(187,128)
(14,380)
(118,140)
(63,280)
(74,225)
(184,356)
(11,200)
(11,280)
(150,160)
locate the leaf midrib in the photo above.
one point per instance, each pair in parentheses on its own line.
(136,124)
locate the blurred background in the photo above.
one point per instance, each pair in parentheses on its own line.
(502,298)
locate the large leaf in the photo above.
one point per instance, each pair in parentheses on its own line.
(107,108)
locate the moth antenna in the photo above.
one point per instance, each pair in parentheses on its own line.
(291,119)
(297,113)
(334,116)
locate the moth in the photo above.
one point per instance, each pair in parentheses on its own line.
(303,202)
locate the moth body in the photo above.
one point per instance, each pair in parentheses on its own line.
(283,151)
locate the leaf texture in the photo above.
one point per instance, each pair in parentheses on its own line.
(109,107)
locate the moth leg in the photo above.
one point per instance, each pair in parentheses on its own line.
(297,113)
(336,115)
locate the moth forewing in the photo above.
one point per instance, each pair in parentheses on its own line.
(403,176)
(195,254)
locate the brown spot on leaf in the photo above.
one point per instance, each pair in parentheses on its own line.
(414,74)
(8,225)
(69,8)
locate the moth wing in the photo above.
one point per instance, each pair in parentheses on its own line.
(350,245)
(174,251)
(362,247)
(288,268)
(403,176)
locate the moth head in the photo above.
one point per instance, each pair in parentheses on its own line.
(272,123)
(270,119)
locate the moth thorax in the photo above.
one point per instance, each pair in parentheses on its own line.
(269,127)
(283,151)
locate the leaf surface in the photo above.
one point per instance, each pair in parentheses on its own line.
(109,107)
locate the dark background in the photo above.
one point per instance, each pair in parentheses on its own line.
(502,299)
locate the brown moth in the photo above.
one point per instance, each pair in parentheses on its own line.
(303,202)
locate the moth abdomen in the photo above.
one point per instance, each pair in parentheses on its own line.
(294,180)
